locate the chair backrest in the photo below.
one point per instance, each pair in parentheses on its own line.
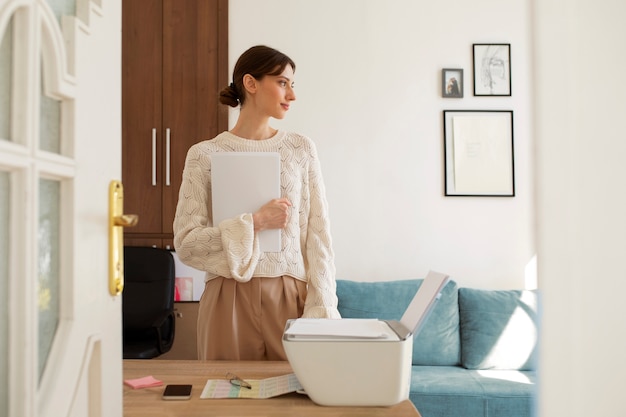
(148,297)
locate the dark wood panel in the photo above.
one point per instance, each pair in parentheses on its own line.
(191,47)
(141,109)
(174,63)
(144,242)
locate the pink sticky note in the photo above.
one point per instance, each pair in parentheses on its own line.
(145,382)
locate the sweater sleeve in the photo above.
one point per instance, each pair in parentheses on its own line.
(321,301)
(229,249)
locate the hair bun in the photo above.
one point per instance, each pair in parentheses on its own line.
(229,96)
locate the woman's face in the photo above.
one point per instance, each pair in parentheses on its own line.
(275,93)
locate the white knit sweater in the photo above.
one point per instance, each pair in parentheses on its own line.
(231,249)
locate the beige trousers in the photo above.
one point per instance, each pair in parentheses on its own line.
(246,320)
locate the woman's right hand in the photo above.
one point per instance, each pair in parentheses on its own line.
(273,215)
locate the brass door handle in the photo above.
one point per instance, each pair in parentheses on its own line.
(126,220)
(117,221)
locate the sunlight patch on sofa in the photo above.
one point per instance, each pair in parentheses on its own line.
(512,376)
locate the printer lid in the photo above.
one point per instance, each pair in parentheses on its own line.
(372,329)
(422,304)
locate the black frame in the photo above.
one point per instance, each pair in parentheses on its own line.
(491,59)
(446,75)
(450,187)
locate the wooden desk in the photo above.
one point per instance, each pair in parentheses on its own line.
(147,402)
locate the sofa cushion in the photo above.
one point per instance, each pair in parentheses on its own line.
(438,343)
(498,329)
(443,391)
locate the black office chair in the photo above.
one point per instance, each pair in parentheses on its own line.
(147,302)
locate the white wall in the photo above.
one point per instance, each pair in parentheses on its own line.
(369,94)
(368,78)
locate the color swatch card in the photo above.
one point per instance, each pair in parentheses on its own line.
(260,388)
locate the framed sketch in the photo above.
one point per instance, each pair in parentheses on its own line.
(478,153)
(492,69)
(452,83)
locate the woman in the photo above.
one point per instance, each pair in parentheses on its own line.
(249,295)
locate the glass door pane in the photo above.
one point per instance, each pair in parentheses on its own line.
(63,8)
(50,123)
(49,265)
(5,194)
(6,64)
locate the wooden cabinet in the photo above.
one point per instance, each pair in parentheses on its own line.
(174,63)
(185,339)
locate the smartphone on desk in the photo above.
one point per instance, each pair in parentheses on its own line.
(177,392)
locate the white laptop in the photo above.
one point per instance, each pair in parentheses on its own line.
(242,182)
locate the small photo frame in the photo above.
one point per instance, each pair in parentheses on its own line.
(452,83)
(478,153)
(492,69)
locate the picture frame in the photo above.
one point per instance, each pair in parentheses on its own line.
(492,69)
(478,153)
(452,84)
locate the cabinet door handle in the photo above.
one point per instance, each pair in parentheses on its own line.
(167,157)
(154,179)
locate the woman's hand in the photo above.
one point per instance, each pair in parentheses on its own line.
(273,215)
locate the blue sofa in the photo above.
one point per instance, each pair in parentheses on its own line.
(476,354)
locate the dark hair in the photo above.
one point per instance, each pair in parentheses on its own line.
(257,61)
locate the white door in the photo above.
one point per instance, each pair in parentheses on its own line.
(60,146)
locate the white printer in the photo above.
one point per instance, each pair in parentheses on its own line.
(359,362)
